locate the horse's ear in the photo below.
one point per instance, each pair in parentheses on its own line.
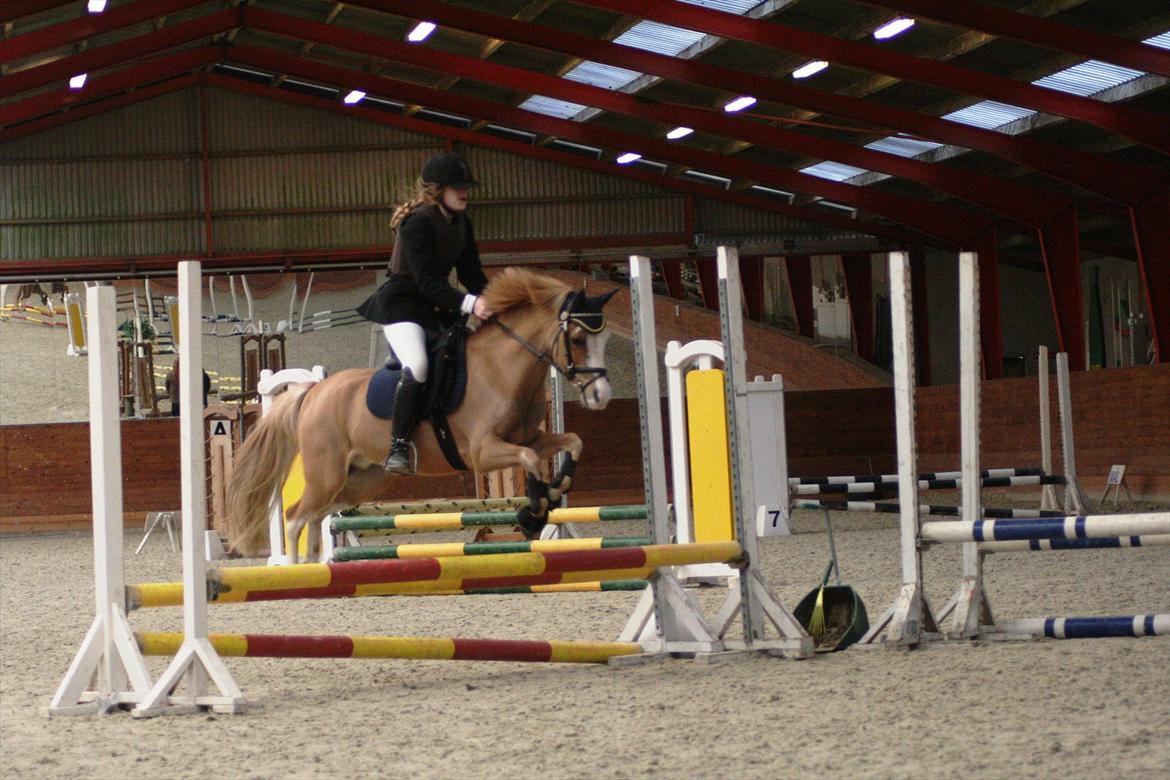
(597,303)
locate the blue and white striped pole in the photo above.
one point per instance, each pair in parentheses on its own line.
(1088,627)
(1075,527)
(1105,542)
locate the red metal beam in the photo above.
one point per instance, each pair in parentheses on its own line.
(945,223)
(889,232)
(374,257)
(751,271)
(11,10)
(205,177)
(1062,261)
(1124,183)
(1150,219)
(672,275)
(859,289)
(1147,128)
(708,282)
(101,106)
(1026,205)
(76,30)
(49,269)
(119,53)
(105,86)
(1033,29)
(800,285)
(990,327)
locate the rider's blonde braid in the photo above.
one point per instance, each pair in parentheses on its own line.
(426,193)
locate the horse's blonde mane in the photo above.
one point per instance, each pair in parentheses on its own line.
(514,287)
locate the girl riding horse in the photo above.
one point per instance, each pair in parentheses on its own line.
(434,236)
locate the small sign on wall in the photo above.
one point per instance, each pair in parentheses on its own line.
(219,428)
(1116,481)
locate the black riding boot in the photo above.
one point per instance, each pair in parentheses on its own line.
(408,400)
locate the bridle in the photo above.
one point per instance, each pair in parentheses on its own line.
(591,322)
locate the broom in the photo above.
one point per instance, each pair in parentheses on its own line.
(816,623)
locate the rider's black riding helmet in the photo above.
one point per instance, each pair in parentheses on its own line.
(449,169)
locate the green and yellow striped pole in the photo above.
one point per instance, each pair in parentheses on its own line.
(454,521)
(444,550)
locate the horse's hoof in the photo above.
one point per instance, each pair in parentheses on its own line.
(530,523)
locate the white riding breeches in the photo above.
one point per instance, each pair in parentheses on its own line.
(409,342)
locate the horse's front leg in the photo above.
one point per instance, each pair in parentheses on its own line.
(549,444)
(493,453)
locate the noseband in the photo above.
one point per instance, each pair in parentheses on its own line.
(591,322)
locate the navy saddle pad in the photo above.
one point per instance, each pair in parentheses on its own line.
(445,387)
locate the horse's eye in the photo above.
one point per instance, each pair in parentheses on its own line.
(579,341)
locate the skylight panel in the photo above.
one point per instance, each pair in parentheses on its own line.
(452,119)
(659,38)
(384,102)
(311,86)
(708,177)
(772,191)
(727,6)
(988,114)
(591,151)
(1088,78)
(903,147)
(511,131)
(248,71)
(834,171)
(552,107)
(599,75)
(1161,41)
(645,35)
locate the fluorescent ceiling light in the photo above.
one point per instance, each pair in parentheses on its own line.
(809,68)
(96,6)
(77,82)
(628,158)
(739,104)
(355,96)
(420,32)
(679,132)
(890,29)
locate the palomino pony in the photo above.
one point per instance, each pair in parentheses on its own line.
(539,322)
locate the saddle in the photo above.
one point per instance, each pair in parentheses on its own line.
(444,390)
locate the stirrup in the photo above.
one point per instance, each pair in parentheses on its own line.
(398,459)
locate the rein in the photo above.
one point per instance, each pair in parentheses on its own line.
(570,370)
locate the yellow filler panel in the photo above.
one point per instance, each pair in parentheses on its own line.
(710,456)
(290,493)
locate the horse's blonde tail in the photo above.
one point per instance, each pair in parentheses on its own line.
(260,468)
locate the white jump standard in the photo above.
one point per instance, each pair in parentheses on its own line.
(910,621)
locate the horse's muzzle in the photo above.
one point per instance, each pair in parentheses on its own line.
(596,394)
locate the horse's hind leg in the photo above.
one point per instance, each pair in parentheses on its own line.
(324,479)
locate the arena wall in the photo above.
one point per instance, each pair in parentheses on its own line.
(1120,416)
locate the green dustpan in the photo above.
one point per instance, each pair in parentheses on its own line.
(845,618)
